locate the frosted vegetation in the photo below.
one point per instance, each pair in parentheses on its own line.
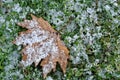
(89,28)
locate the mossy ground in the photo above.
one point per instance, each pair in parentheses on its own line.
(89,28)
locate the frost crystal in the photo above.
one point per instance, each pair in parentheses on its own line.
(17,8)
(49,78)
(2,20)
(107,7)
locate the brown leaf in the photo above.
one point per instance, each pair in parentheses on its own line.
(42,42)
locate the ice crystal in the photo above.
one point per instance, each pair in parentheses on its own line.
(17,8)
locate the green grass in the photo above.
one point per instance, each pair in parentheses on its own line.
(89,28)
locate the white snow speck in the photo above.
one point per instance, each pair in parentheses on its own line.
(2,20)
(17,8)
(90,10)
(7,1)
(107,7)
(49,78)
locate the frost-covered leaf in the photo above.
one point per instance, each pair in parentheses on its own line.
(41,42)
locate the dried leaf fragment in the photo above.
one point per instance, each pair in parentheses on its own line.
(40,42)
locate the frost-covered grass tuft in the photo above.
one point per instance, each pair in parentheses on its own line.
(89,28)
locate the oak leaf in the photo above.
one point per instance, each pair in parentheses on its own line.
(42,43)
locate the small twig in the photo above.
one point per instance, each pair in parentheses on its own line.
(96,4)
(0,4)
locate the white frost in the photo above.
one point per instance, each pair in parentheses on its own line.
(17,8)
(49,78)
(107,7)
(2,20)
